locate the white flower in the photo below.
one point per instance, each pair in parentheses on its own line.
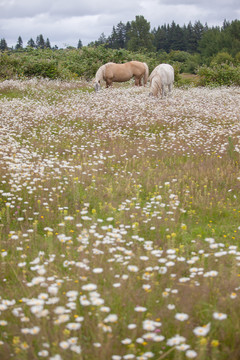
(132,326)
(89,287)
(73,326)
(69,218)
(181,316)
(56,357)
(35,330)
(97,270)
(219,316)
(176,340)
(129,356)
(140,309)
(191,354)
(158,338)
(105,309)
(132,268)
(202,330)
(76,348)
(64,345)
(72,293)
(126,341)
(43,353)
(182,347)
(111,318)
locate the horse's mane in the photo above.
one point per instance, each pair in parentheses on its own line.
(100,74)
(155,83)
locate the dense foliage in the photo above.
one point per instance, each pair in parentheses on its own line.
(213,53)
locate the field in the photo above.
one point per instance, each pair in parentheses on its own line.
(119,222)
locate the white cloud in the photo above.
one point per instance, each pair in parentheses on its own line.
(65,22)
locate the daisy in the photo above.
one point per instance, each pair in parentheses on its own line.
(140,309)
(176,340)
(132,268)
(43,353)
(202,330)
(181,316)
(73,326)
(89,287)
(64,345)
(219,316)
(191,354)
(111,318)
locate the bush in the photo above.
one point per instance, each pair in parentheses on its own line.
(220,75)
(8,66)
(222,58)
(40,68)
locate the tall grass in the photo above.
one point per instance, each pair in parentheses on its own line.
(119,222)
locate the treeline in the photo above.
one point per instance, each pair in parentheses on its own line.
(137,36)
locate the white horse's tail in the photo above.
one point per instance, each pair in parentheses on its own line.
(146,74)
(99,76)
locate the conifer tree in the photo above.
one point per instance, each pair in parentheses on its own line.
(19,44)
(3,45)
(31,43)
(79,44)
(40,42)
(139,35)
(47,44)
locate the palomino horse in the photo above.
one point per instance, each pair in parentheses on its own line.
(161,76)
(112,72)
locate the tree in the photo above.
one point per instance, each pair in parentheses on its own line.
(160,40)
(232,37)
(19,44)
(31,43)
(47,44)
(3,45)
(139,35)
(102,39)
(79,44)
(118,39)
(210,43)
(40,42)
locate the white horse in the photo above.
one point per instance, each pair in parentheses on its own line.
(112,72)
(161,76)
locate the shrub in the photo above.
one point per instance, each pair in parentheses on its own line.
(220,75)
(41,68)
(222,58)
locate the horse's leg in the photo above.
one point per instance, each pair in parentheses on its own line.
(108,83)
(136,81)
(163,91)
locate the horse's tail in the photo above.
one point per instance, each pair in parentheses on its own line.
(98,77)
(146,74)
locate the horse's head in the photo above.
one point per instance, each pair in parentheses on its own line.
(97,86)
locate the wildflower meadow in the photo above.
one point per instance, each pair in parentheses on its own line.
(119,222)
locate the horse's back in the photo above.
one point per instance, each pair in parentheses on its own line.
(137,67)
(117,72)
(166,72)
(124,72)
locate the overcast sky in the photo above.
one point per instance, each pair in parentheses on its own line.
(64,22)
